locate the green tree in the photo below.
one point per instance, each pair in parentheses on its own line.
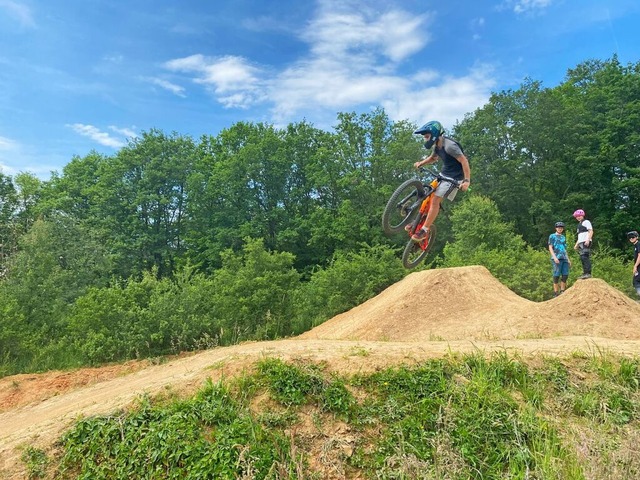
(608,184)
(482,237)
(57,262)
(542,153)
(141,198)
(375,155)
(29,191)
(254,293)
(77,191)
(237,190)
(8,225)
(14,335)
(144,317)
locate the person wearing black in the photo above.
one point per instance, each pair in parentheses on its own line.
(633,238)
(584,242)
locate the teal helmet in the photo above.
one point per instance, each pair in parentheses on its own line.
(434,128)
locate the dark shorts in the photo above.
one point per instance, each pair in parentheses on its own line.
(583,250)
(560,269)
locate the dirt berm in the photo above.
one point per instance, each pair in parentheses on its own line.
(425,315)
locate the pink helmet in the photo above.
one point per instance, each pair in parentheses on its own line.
(578,213)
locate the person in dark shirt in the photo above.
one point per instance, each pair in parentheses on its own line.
(455,167)
(633,238)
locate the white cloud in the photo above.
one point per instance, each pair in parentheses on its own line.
(395,34)
(322,84)
(171,87)
(345,70)
(18,11)
(233,80)
(6,144)
(478,22)
(355,59)
(447,101)
(127,132)
(527,6)
(263,24)
(477,27)
(98,136)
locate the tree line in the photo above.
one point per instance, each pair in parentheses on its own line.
(259,232)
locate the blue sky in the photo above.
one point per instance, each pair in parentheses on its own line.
(83,75)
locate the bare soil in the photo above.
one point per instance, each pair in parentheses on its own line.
(427,314)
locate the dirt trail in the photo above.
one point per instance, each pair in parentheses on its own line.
(467,310)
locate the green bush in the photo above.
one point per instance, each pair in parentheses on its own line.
(350,279)
(254,293)
(209,436)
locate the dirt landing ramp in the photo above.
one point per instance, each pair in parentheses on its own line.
(469,303)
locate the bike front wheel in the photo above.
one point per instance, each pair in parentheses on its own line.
(403,206)
(416,252)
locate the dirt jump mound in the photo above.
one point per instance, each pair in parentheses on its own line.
(468,303)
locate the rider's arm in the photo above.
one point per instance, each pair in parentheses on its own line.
(553,254)
(426,161)
(466,169)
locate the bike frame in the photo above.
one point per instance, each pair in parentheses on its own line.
(424,210)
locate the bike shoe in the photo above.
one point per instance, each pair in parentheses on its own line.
(420,235)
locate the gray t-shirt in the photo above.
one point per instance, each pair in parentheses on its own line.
(451,167)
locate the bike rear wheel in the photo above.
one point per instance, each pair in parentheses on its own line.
(416,252)
(403,205)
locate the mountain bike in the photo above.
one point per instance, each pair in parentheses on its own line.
(407,210)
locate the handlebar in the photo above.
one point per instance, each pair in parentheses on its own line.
(433,174)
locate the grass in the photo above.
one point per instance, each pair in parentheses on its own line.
(36,461)
(458,417)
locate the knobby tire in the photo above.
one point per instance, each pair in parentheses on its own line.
(414,254)
(392,212)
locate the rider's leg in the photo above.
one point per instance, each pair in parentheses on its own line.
(432,214)
(555,269)
(585,254)
(434,210)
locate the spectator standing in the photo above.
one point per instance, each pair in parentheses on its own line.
(560,262)
(583,242)
(633,238)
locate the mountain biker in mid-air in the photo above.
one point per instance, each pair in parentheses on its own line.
(455,167)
